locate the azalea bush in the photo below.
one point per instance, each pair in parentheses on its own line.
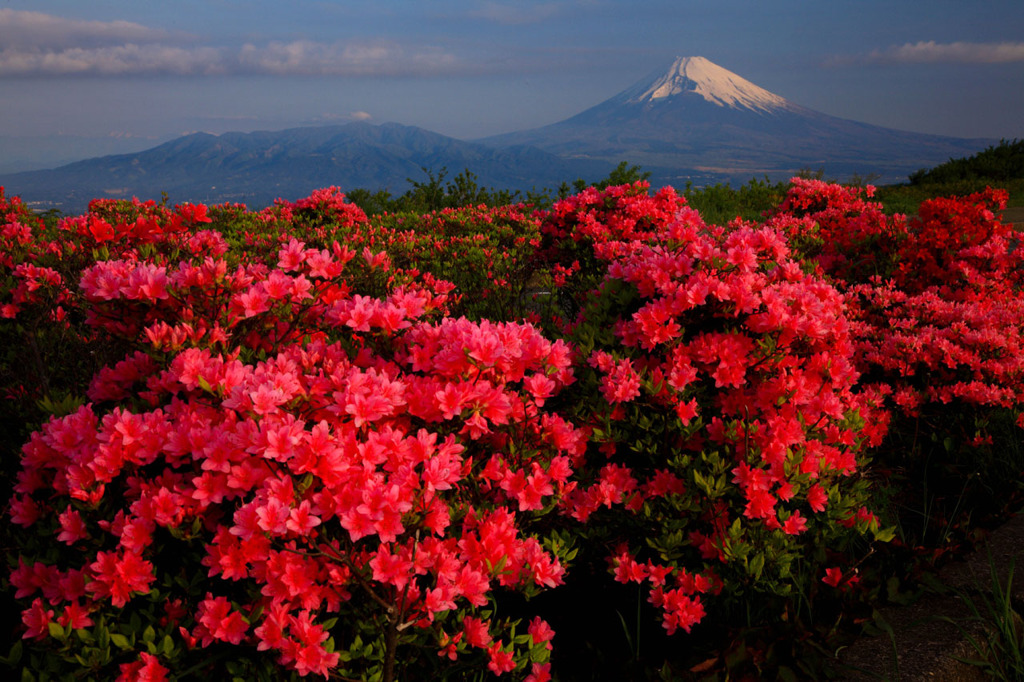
(937,312)
(305,441)
(728,431)
(403,448)
(935,299)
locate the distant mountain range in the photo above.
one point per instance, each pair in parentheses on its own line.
(257,168)
(695,121)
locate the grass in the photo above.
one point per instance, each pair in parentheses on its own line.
(999,648)
(906,198)
(719,204)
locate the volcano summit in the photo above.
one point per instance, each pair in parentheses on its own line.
(697,119)
(701,77)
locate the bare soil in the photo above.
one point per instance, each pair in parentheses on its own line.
(925,646)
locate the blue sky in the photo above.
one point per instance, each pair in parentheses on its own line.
(143,70)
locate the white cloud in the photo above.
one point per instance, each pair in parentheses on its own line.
(118,60)
(332,117)
(304,57)
(36,44)
(20,29)
(931,52)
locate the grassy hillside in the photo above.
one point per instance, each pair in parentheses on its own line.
(1000,166)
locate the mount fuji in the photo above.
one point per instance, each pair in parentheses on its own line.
(697,120)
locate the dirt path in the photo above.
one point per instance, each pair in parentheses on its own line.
(928,636)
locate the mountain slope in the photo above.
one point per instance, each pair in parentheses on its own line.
(697,117)
(257,168)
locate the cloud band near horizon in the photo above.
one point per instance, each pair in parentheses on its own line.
(931,52)
(297,58)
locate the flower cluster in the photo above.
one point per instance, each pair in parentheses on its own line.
(318,451)
(839,229)
(340,443)
(729,402)
(936,300)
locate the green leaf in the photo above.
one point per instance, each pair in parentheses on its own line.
(885,534)
(167,645)
(756,566)
(120,641)
(702,483)
(149,634)
(14,655)
(56,630)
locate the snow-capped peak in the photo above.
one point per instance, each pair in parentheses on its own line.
(713,83)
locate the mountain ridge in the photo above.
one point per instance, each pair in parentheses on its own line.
(258,167)
(694,121)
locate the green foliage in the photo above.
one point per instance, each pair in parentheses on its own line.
(1000,166)
(906,198)
(719,204)
(463,190)
(1004,161)
(623,174)
(485,253)
(946,473)
(435,194)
